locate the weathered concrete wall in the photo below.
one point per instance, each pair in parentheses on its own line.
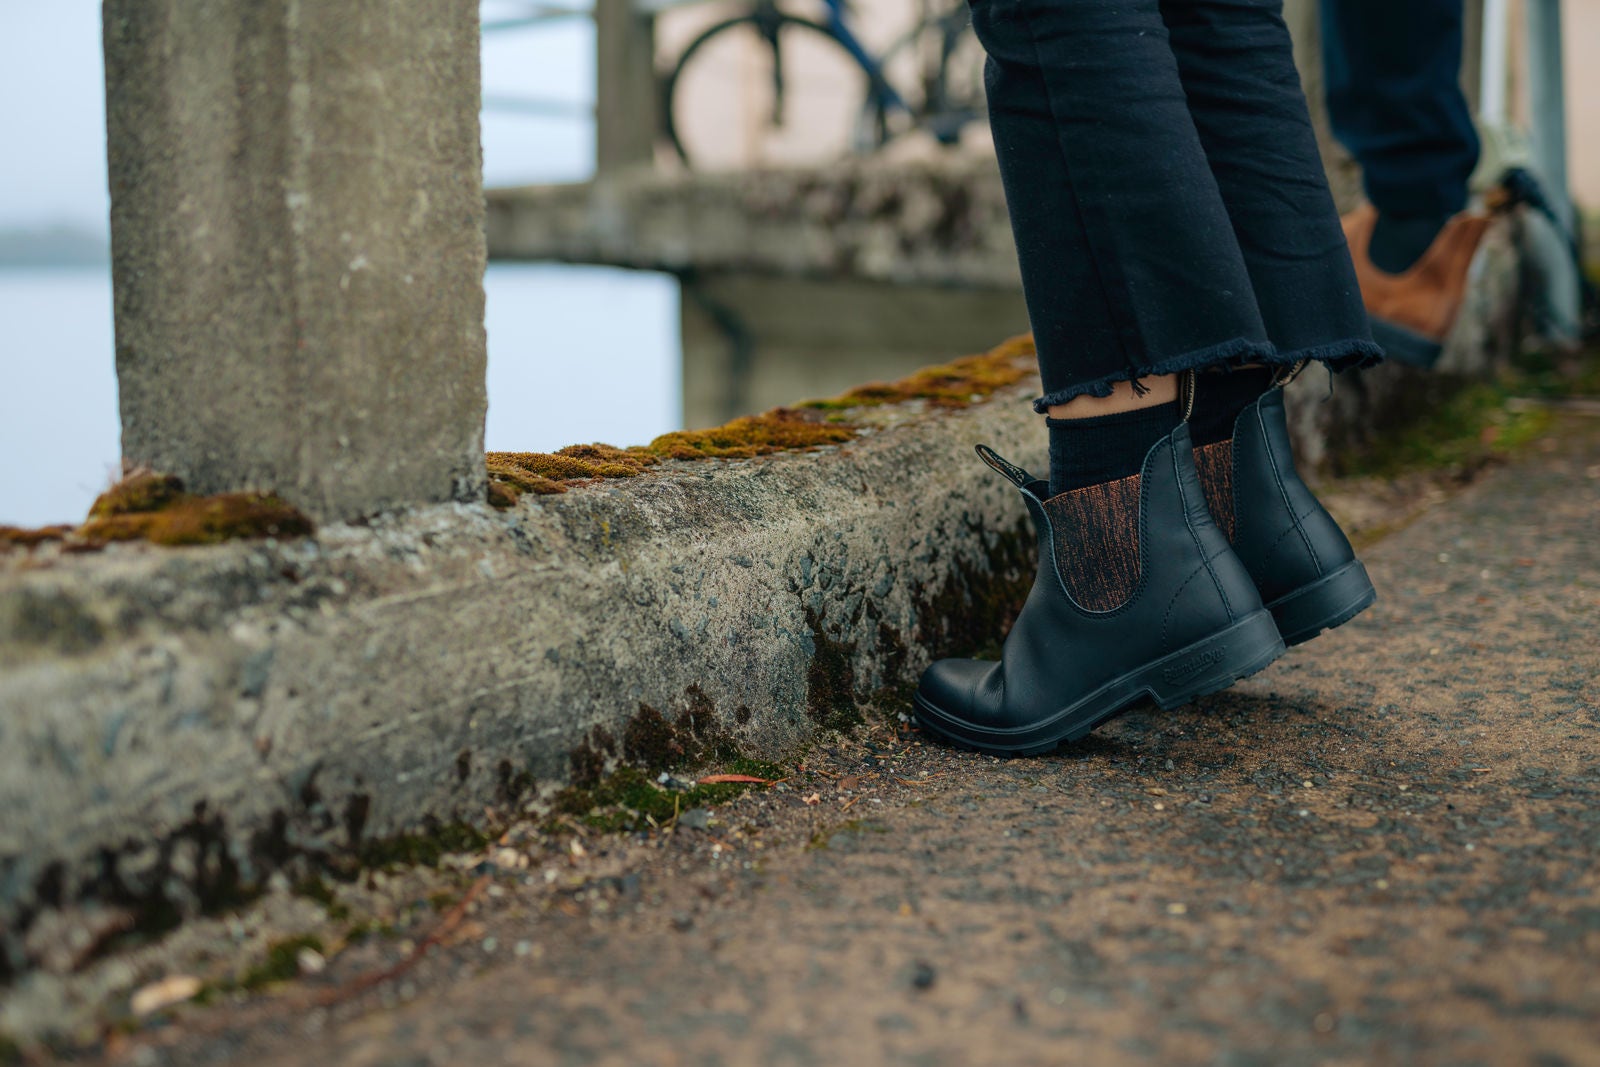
(940,223)
(172,721)
(297,247)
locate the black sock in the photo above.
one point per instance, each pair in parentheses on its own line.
(1219,396)
(1104,448)
(1399,241)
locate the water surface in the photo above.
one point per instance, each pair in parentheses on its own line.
(576,354)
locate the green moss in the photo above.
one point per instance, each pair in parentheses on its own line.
(18,537)
(281,964)
(779,430)
(314,888)
(627,799)
(951,385)
(501,495)
(754,767)
(812,424)
(513,473)
(1475,426)
(441,900)
(423,849)
(154,508)
(10,1051)
(138,494)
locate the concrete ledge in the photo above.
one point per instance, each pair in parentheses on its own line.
(175,723)
(941,223)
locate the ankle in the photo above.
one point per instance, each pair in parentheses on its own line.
(1125,396)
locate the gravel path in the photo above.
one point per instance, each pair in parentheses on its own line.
(1382,850)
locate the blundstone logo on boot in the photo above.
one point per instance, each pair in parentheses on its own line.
(1182,672)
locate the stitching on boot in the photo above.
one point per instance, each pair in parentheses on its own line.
(1194,536)
(1215,464)
(1283,493)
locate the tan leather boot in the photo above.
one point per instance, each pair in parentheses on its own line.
(1412,312)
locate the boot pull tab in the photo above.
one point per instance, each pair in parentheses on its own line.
(1018,477)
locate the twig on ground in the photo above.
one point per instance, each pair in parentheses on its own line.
(338,995)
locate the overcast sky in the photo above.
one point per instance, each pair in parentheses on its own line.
(52,109)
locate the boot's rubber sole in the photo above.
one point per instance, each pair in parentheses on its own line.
(1404,346)
(1202,668)
(1329,601)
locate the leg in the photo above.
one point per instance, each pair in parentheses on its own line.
(1396,103)
(1129,262)
(1238,71)
(1237,65)
(1131,271)
(1394,94)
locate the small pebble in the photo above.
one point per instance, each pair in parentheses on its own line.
(922,975)
(490,944)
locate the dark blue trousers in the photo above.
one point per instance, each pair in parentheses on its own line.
(1169,205)
(1393,72)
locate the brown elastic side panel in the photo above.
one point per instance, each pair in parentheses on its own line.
(1215,463)
(1097,542)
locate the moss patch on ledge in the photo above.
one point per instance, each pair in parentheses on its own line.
(956,384)
(154,507)
(810,424)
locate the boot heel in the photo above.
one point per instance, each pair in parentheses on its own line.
(1334,599)
(1216,662)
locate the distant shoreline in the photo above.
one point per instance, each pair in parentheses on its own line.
(62,247)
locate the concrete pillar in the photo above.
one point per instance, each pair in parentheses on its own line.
(627,103)
(297,246)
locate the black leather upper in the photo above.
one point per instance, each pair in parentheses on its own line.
(1190,586)
(1284,536)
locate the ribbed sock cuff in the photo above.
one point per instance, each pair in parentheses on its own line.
(1104,448)
(1219,396)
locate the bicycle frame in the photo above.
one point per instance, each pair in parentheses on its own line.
(838,25)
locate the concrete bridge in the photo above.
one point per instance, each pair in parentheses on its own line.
(298,237)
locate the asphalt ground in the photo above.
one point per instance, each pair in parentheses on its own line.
(1381,850)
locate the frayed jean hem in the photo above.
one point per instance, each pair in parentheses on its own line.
(1235,352)
(1350,354)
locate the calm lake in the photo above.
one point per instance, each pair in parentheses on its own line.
(576,354)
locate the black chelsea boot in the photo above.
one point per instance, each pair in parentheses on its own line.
(1137,595)
(1302,563)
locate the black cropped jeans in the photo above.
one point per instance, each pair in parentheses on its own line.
(1165,190)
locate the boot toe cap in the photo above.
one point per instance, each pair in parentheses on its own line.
(948,686)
